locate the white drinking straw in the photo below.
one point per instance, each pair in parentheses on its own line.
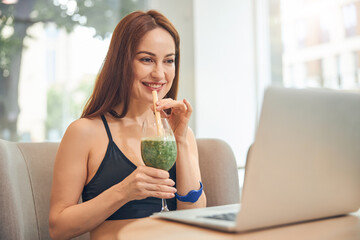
(157,115)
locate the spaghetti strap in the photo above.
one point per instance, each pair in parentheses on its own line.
(106,127)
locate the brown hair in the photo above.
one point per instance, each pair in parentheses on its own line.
(114,83)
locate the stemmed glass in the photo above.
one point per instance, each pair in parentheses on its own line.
(158,147)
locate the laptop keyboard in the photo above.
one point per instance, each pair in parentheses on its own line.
(223,216)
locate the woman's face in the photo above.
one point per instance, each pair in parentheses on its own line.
(154,65)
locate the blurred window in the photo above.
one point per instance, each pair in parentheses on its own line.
(51,52)
(323,51)
(350,19)
(314,76)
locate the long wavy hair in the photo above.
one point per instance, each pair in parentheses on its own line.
(115,80)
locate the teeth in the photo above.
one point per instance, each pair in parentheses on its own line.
(153,85)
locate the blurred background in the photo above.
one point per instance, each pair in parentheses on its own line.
(52,50)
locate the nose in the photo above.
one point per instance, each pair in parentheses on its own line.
(158,72)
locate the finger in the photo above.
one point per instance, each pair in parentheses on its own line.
(175,105)
(171,103)
(154,172)
(152,180)
(161,192)
(161,103)
(160,188)
(164,103)
(164,100)
(162,195)
(188,106)
(154,191)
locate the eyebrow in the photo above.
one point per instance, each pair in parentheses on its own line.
(153,54)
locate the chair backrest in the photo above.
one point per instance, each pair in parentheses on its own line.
(218,172)
(26,177)
(25,180)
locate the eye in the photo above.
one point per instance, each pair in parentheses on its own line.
(170,61)
(146,60)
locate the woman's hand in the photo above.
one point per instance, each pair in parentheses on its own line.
(147,182)
(179,116)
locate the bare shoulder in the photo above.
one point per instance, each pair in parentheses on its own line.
(84,128)
(83,132)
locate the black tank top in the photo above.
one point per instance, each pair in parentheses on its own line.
(114,168)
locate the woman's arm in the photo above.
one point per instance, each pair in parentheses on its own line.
(188,171)
(187,162)
(68,218)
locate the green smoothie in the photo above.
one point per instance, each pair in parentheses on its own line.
(158,152)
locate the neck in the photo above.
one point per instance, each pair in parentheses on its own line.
(137,112)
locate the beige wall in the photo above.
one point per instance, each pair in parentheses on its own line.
(180,13)
(218,66)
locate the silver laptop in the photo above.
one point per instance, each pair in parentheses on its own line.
(304,164)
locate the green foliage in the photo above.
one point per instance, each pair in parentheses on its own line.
(8,46)
(8,42)
(101,15)
(98,14)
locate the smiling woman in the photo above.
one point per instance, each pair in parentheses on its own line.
(154,65)
(114,82)
(99,157)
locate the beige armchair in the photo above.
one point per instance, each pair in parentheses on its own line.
(26,176)
(218,172)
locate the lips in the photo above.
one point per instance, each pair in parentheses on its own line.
(153,86)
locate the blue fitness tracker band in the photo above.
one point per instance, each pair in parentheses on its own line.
(192,196)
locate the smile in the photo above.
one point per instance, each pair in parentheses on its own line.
(153,85)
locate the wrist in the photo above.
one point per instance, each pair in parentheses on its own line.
(119,195)
(182,142)
(192,196)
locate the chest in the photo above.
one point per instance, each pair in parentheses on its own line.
(131,148)
(125,139)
